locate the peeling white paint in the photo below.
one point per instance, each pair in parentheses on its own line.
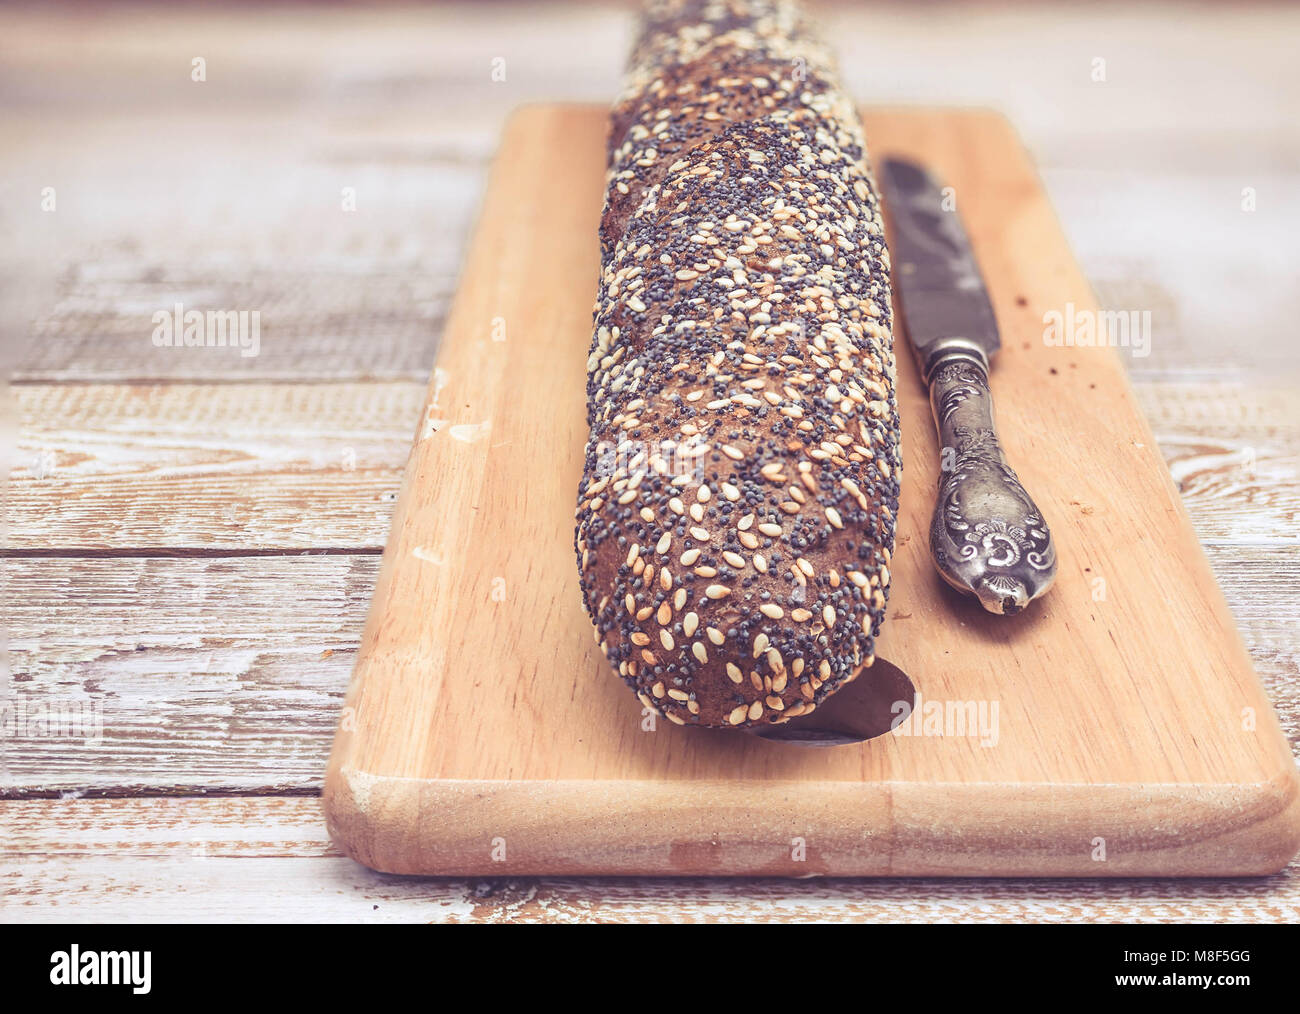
(471,432)
(440,379)
(468,433)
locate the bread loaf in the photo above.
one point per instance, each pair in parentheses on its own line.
(736,513)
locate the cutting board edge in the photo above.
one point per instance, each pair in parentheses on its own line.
(451,827)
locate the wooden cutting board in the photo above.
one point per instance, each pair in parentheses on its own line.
(483,733)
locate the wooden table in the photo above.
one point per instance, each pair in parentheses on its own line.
(192,535)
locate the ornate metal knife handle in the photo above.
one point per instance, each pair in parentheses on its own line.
(987,537)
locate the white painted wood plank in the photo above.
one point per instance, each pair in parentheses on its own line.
(210,468)
(1146,167)
(151,860)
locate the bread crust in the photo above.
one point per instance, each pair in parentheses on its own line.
(736,511)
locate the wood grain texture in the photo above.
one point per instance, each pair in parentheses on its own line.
(370,322)
(202,675)
(258,858)
(1121,704)
(304,106)
(250,680)
(400,103)
(208,468)
(1227,444)
(263,467)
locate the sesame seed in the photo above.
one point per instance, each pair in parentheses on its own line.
(717,591)
(772,611)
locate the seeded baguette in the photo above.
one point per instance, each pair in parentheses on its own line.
(736,512)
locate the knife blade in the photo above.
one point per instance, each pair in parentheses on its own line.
(987,536)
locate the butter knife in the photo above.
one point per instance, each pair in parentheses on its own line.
(987,537)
